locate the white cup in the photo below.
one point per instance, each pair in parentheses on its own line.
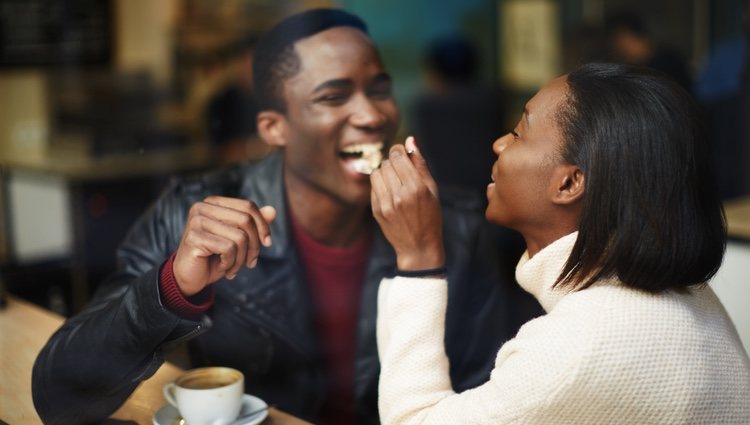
(207,396)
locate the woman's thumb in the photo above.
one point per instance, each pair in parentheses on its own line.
(420,163)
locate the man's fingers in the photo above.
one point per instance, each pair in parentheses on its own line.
(206,244)
(269,215)
(246,246)
(235,211)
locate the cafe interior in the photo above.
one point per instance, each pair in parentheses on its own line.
(103,102)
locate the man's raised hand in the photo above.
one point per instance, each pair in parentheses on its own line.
(221,236)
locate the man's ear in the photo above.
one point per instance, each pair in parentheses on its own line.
(272,127)
(569,184)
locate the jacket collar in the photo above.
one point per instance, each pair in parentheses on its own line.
(264,184)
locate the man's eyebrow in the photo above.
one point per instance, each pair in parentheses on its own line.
(382,77)
(341,83)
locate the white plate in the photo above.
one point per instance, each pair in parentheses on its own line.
(168,415)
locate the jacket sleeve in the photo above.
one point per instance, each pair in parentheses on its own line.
(92,364)
(478,311)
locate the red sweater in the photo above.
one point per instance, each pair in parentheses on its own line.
(335,277)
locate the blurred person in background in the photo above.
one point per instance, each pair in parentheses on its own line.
(230,113)
(456,112)
(273,268)
(630,42)
(718,90)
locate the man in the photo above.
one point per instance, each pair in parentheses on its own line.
(286,293)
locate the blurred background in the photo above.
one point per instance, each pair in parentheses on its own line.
(103,101)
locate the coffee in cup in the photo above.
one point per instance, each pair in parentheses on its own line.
(207,396)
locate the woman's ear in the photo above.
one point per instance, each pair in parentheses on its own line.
(272,127)
(570,184)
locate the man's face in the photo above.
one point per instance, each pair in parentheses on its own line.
(338,104)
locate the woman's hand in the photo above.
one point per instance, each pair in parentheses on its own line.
(406,205)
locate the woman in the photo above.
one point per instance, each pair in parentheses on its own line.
(607,178)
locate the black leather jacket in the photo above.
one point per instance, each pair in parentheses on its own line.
(261,323)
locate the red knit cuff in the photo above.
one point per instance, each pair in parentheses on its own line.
(187,307)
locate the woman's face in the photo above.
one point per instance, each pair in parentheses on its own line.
(524,176)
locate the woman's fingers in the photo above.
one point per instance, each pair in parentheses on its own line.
(407,209)
(380,194)
(420,164)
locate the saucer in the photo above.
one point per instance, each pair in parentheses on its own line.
(168,414)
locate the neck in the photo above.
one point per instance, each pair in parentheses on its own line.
(537,241)
(326,219)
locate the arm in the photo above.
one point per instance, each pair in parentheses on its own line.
(415,385)
(92,364)
(531,381)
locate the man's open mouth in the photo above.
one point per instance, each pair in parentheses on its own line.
(365,157)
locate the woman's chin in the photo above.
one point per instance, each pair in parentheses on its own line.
(488,214)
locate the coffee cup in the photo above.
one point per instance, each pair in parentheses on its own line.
(207,396)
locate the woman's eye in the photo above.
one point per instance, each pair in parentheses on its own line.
(515,135)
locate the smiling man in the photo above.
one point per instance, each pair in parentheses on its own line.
(273,268)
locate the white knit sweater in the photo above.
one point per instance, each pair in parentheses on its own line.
(602,355)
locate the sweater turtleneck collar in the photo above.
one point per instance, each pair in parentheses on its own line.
(536,275)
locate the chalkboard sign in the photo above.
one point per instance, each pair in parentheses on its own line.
(55,32)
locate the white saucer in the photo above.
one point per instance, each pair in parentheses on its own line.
(168,415)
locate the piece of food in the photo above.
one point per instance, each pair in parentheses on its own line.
(366,157)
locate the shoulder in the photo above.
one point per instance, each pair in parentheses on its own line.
(225,181)
(629,324)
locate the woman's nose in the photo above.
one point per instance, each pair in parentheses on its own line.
(499,145)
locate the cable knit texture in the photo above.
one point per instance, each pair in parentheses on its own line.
(603,355)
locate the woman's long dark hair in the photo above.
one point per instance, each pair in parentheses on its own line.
(651,213)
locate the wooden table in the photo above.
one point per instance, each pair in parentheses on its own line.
(25,328)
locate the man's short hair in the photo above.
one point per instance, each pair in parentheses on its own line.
(276,60)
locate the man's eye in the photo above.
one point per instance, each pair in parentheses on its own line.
(381,92)
(331,98)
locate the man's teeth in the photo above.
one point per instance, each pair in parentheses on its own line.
(363,148)
(370,159)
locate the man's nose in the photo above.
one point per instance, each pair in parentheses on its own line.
(367,113)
